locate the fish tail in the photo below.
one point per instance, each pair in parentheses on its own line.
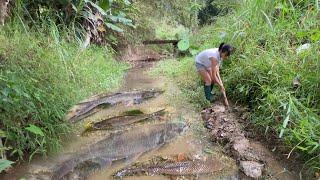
(64,169)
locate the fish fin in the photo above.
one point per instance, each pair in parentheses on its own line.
(158,113)
(105,126)
(102,162)
(162,139)
(132,158)
(72,165)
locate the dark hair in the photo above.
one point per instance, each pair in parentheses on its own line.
(226,48)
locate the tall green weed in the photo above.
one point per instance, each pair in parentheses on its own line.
(41,76)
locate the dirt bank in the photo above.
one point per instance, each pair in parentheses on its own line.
(253,158)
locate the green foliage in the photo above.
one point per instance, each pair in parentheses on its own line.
(208,13)
(183,44)
(163,19)
(35,130)
(170,30)
(182,11)
(41,76)
(78,15)
(4,164)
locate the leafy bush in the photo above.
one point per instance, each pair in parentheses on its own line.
(41,77)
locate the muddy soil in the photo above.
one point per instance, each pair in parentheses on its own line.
(253,158)
(140,53)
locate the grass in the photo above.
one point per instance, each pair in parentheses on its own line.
(260,73)
(41,76)
(184,74)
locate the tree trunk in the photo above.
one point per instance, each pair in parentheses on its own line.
(3,10)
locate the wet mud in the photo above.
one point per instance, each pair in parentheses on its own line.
(253,159)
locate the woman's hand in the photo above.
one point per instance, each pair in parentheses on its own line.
(214,76)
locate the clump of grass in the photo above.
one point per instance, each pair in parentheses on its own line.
(41,77)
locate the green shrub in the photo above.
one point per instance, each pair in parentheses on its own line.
(41,77)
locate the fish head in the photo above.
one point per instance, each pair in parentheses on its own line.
(174,129)
(151,94)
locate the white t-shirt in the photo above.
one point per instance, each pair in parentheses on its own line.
(204,57)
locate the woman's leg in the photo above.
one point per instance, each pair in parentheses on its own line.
(205,75)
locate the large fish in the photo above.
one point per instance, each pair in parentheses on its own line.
(191,167)
(123,145)
(119,121)
(135,97)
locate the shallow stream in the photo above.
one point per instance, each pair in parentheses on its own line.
(194,142)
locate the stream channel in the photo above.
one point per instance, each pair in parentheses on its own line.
(194,143)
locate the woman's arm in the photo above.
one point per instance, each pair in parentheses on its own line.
(215,69)
(218,76)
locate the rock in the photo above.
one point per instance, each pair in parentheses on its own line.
(205,115)
(303,48)
(240,145)
(251,168)
(243,149)
(219,108)
(296,82)
(209,125)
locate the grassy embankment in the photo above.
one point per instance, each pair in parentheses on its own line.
(41,76)
(261,72)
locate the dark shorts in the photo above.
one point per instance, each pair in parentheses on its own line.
(201,67)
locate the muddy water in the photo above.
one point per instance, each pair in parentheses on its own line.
(194,142)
